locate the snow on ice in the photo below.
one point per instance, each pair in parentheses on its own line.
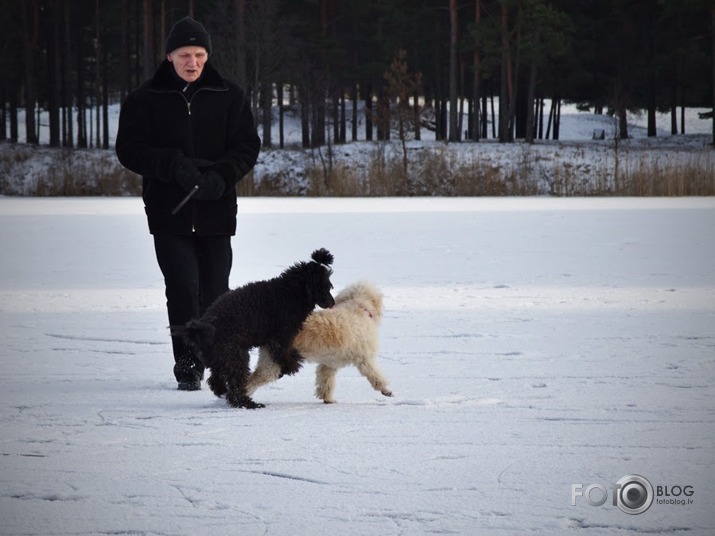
(533,345)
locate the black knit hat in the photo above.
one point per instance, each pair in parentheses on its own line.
(188,33)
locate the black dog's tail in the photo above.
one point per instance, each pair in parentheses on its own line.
(198,334)
(324,257)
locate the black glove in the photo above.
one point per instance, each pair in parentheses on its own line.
(186,173)
(211,185)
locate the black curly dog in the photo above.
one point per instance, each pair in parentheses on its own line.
(262,313)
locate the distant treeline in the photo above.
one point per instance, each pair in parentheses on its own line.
(397,66)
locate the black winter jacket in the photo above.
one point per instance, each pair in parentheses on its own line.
(212,122)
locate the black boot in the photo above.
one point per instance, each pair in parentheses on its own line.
(189,374)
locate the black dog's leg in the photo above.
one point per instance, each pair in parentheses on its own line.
(216,382)
(236,373)
(287,358)
(292,362)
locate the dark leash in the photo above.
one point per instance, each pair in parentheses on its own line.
(185,200)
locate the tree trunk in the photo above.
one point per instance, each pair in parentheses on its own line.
(557,118)
(124,81)
(53,73)
(318,115)
(505,84)
(148,33)
(354,116)
(30,18)
(383,115)
(494,117)
(13,116)
(443,119)
(97,70)
(530,103)
(368,111)
(650,76)
(304,100)
(712,54)
(460,99)
(550,121)
(485,116)
(335,98)
(67,68)
(674,101)
(81,124)
(453,126)
(623,123)
(652,131)
(516,101)
(3,113)
(266,114)
(281,115)
(416,114)
(162,23)
(240,9)
(105,99)
(477,65)
(343,118)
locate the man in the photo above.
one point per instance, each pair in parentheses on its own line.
(191,136)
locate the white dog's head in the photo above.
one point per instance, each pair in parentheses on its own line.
(364,295)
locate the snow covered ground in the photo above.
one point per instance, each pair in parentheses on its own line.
(532,345)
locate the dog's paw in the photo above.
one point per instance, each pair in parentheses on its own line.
(253,405)
(330,401)
(386,392)
(242,401)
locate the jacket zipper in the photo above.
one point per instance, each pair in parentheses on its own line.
(188,110)
(188,101)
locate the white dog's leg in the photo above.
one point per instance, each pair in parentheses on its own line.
(374,376)
(325,383)
(267,371)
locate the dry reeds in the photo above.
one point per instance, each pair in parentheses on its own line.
(432,171)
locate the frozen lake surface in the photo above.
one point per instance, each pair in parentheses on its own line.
(532,345)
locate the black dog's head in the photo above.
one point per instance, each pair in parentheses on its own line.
(319,285)
(313,279)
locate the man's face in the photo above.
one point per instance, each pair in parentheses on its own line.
(188,62)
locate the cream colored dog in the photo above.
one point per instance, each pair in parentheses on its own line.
(343,335)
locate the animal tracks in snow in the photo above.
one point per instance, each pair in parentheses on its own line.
(453,400)
(103,339)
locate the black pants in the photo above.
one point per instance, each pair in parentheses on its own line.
(196,270)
